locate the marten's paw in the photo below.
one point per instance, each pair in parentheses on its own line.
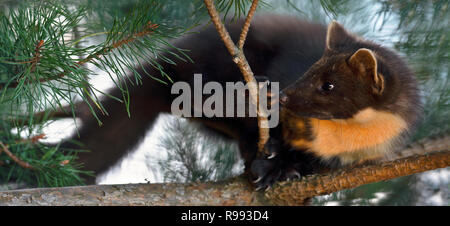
(272,148)
(278,168)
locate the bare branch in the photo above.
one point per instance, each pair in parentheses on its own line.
(242,63)
(246,26)
(37,55)
(65,112)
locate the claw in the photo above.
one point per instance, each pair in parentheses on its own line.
(272,155)
(258,188)
(297,174)
(268,188)
(257,180)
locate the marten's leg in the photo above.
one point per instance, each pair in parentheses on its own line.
(282,162)
(248,147)
(119,133)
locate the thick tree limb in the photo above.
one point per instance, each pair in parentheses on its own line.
(236,191)
(294,193)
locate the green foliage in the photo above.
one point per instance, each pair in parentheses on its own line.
(33,50)
(51,165)
(50,49)
(425,39)
(192,156)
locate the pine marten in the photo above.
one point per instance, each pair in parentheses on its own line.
(354,105)
(350,99)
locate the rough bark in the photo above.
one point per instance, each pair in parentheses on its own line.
(238,191)
(295,193)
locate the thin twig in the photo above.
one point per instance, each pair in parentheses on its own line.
(32,60)
(242,63)
(64,112)
(224,35)
(14,158)
(246,26)
(37,55)
(33,139)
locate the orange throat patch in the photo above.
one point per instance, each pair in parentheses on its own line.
(370,134)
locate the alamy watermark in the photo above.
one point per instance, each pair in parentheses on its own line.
(224,104)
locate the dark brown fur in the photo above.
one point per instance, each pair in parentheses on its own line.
(354,91)
(280,48)
(353,105)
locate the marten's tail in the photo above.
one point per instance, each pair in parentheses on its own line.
(119,133)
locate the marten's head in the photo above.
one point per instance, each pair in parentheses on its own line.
(344,81)
(359,100)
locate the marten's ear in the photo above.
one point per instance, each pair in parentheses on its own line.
(337,36)
(365,63)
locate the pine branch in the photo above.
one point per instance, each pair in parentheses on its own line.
(21,163)
(236,191)
(239,58)
(50,75)
(148,29)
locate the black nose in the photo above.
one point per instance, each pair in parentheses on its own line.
(283,98)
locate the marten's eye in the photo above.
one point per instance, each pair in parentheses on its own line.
(327,86)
